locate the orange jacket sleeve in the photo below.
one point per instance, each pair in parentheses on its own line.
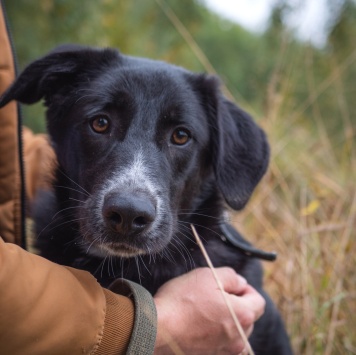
(10,182)
(49,309)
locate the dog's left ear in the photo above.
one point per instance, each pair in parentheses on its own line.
(240,147)
(55,71)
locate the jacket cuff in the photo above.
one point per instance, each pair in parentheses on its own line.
(144,331)
(118,325)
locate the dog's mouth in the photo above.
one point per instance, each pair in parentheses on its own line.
(120,249)
(126,250)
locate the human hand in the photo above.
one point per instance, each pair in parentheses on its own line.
(194,319)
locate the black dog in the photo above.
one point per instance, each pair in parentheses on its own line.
(144,150)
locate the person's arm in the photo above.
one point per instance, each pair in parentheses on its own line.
(46,308)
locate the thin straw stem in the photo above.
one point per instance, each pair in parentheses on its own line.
(218,282)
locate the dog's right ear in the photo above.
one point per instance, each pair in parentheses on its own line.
(240,151)
(45,76)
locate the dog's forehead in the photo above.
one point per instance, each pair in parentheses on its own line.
(153,67)
(147,88)
(148,79)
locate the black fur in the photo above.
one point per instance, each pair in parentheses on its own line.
(136,160)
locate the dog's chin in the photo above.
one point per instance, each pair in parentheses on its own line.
(122,250)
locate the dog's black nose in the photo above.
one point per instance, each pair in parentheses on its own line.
(128,214)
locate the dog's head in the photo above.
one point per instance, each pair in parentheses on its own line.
(140,141)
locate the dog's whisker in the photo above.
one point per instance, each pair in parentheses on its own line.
(182,254)
(122,267)
(168,254)
(103,264)
(80,187)
(153,256)
(62,210)
(85,241)
(184,248)
(74,199)
(143,263)
(180,225)
(189,210)
(113,266)
(108,265)
(60,224)
(201,226)
(187,251)
(72,189)
(149,252)
(99,266)
(76,241)
(138,269)
(198,214)
(93,241)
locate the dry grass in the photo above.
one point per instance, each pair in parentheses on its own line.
(305,209)
(311,224)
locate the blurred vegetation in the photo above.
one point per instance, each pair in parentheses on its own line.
(304,97)
(246,62)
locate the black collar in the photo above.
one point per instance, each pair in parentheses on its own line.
(249,250)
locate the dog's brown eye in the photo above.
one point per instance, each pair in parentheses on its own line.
(180,136)
(100,124)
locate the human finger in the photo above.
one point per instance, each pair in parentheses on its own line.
(253,300)
(248,307)
(232,282)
